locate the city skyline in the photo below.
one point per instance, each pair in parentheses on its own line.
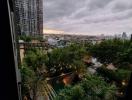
(88,17)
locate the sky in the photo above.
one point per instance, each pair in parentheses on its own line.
(95,17)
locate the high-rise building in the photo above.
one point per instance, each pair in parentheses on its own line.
(29,17)
(40,16)
(124,35)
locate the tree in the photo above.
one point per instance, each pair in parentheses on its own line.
(90,88)
(67,59)
(126,58)
(25,38)
(96,87)
(71,93)
(110,51)
(34,74)
(60,60)
(117,75)
(26,74)
(120,77)
(105,52)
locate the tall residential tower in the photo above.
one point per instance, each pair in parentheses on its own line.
(29,17)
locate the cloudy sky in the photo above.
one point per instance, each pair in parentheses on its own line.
(89,16)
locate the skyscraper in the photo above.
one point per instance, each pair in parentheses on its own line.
(124,35)
(40,16)
(29,17)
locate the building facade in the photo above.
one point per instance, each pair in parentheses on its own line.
(29,17)
(40,16)
(124,35)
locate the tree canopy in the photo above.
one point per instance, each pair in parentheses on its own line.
(112,51)
(90,88)
(48,64)
(39,65)
(66,59)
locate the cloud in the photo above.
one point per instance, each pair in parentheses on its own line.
(109,17)
(89,16)
(122,5)
(98,4)
(54,9)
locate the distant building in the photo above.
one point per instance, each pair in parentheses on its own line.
(102,36)
(52,41)
(124,35)
(29,17)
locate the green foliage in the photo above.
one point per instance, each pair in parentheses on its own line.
(106,51)
(38,65)
(33,72)
(66,59)
(96,86)
(124,57)
(60,60)
(122,74)
(90,88)
(71,93)
(113,51)
(35,58)
(25,38)
(27,78)
(118,75)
